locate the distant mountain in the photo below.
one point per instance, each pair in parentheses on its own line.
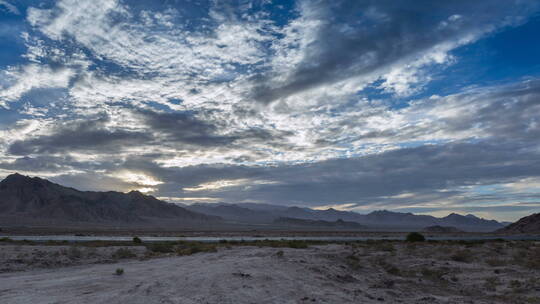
(26,201)
(262,207)
(470,222)
(233,213)
(339,224)
(376,220)
(528,224)
(34,201)
(441,229)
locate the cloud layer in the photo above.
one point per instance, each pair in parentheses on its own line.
(315,103)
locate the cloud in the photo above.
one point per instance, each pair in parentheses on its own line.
(429,174)
(183,127)
(378,39)
(10,7)
(85,136)
(114,32)
(30,77)
(108,94)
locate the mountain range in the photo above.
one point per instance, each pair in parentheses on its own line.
(33,201)
(376,220)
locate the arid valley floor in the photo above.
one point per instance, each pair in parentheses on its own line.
(271,272)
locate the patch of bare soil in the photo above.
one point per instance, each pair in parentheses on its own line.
(372,272)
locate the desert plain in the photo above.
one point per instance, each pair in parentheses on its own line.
(493,271)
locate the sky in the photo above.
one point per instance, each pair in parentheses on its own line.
(421,106)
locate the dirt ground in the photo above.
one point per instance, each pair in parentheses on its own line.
(366,272)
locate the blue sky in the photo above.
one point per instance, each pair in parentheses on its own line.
(420,106)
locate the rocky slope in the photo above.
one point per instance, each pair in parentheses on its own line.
(528,224)
(26,201)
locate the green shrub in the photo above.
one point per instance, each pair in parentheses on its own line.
(494,262)
(388,247)
(415,237)
(192,248)
(119,271)
(161,247)
(74,253)
(433,273)
(297,244)
(491,283)
(279,254)
(516,286)
(137,240)
(353,261)
(124,253)
(464,256)
(391,269)
(533,258)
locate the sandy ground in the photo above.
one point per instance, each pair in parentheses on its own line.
(360,273)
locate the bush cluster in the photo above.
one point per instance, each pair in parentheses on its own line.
(415,237)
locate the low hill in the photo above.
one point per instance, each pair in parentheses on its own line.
(339,224)
(528,224)
(441,229)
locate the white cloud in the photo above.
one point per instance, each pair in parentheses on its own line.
(32,76)
(10,7)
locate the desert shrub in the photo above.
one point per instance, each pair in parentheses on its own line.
(519,257)
(463,256)
(497,248)
(388,267)
(137,240)
(515,285)
(491,283)
(279,254)
(411,247)
(353,261)
(192,248)
(392,269)
(119,271)
(533,300)
(433,273)
(91,252)
(74,253)
(388,247)
(494,262)
(161,247)
(297,244)
(124,253)
(533,258)
(415,237)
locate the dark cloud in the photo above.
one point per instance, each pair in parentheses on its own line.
(85,135)
(529,208)
(160,128)
(38,164)
(185,128)
(361,37)
(423,170)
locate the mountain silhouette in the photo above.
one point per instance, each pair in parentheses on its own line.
(31,200)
